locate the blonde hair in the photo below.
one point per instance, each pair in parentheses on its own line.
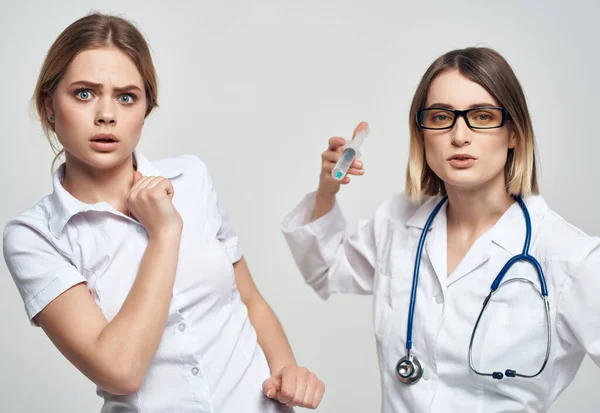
(90,32)
(490,70)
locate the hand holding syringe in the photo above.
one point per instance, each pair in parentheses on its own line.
(341,160)
(350,152)
(338,162)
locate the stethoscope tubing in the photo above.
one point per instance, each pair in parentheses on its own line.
(408,368)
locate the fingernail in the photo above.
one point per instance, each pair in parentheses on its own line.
(269,393)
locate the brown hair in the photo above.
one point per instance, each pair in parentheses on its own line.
(90,32)
(490,70)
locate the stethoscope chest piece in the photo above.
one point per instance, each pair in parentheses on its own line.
(409,369)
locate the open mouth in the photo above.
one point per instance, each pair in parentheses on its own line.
(461,158)
(104,142)
(104,138)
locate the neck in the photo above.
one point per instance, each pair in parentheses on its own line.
(92,185)
(475,211)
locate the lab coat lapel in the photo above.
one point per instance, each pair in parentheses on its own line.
(435,243)
(436,246)
(508,233)
(478,255)
(480,251)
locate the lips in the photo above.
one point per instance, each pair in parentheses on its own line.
(105,138)
(104,142)
(462,161)
(461,157)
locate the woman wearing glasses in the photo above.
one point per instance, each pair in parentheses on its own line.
(484,298)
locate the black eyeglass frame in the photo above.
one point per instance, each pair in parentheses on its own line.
(463,114)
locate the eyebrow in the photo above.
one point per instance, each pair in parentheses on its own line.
(93,85)
(449,106)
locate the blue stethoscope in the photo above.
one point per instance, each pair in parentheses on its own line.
(409,369)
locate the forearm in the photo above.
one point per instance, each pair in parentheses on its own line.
(323,204)
(132,337)
(271,336)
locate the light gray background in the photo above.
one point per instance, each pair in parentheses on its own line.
(255,88)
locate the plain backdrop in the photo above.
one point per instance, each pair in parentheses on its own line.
(255,88)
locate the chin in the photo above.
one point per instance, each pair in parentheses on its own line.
(464,186)
(470,179)
(468,184)
(103,160)
(462,178)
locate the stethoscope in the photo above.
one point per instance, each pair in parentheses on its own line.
(409,369)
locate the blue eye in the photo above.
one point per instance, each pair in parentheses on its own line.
(83,94)
(127,98)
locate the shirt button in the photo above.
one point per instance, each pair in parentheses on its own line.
(439,298)
(181,327)
(195,371)
(140,229)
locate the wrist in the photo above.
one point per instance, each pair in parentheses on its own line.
(166,236)
(278,367)
(323,197)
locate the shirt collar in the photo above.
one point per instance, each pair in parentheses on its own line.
(63,205)
(149,168)
(419,218)
(509,232)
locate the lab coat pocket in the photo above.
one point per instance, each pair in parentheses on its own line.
(392,290)
(394,263)
(392,295)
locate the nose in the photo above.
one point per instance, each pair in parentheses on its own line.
(461,134)
(105,114)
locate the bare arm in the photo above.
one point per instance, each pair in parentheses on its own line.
(324,203)
(289,384)
(116,355)
(269,331)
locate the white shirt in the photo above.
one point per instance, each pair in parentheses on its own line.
(379,257)
(208,359)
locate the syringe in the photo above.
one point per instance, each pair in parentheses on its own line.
(351,152)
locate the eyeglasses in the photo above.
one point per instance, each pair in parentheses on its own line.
(487,117)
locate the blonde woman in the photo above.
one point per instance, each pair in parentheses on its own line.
(131,267)
(485,300)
